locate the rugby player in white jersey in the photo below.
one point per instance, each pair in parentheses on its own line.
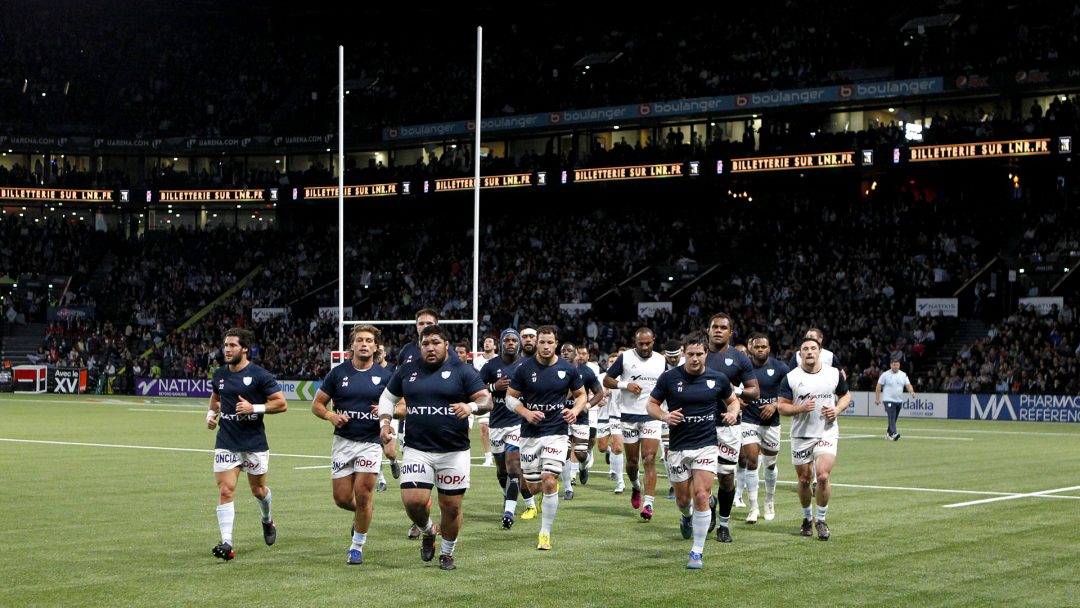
(635,373)
(814,396)
(609,431)
(484,421)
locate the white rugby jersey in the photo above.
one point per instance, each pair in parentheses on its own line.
(825,387)
(893,385)
(610,409)
(644,373)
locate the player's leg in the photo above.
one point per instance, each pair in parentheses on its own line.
(417,480)
(226,513)
(701,484)
(257,464)
(770,446)
(649,448)
(825,462)
(802,454)
(551,465)
(452,472)
(632,450)
(617,456)
(740,482)
(362,486)
(749,455)
(485,440)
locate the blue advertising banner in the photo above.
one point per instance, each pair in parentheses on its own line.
(1032,408)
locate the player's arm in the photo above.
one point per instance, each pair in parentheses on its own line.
(581,403)
(597,394)
(842,403)
(479,402)
(514,404)
(877,390)
(320,406)
(212,413)
(731,416)
(388,403)
(910,389)
(275,404)
(611,380)
(785,404)
(656,409)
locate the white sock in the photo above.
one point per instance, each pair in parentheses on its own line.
(617,466)
(566,476)
(446,547)
(574,468)
(487,456)
(225,516)
(821,511)
(701,530)
(740,477)
(530,502)
(429,528)
(806,513)
(770,478)
(382,479)
(547,514)
(751,480)
(264,506)
(648,501)
(358,540)
(634,483)
(510,505)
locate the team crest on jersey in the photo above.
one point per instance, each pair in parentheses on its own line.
(729,361)
(562,374)
(446,374)
(709,383)
(247,380)
(770,371)
(376,379)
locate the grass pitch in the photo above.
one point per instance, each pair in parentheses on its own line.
(110,502)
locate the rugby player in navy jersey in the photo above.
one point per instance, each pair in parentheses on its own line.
(696,396)
(411,352)
(354,386)
(505,428)
(723,357)
(243,393)
(594,413)
(538,393)
(635,373)
(761,427)
(440,394)
(579,428)
(528,343)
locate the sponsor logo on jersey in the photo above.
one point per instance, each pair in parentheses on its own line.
(414,468)
(451,480)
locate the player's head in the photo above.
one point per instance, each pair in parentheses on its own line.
(720,329)
(809,351)
(547,340)
(237,345)
(490,344)
(611,358)
(644,338)
(894,364)
(695,349)
(462,350)
(672,352)
(759,346)
(582,355)
(568,352)
(434,345)
(509,342)
(528,342)
(364,341)
(424,318)
(816,334)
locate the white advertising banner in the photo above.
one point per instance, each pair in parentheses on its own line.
(646,310)
(937,307)
(1042,305)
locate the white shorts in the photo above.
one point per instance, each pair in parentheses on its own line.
(547,453)
(729,440)
(502,437)
(580,431)
(348,457)
(632,431)
(447,471)
(254,463)
(603,428)
(594,416)
(682,463)
(768,437)
(805,450)
(485,419)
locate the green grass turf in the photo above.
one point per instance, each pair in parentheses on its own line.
(107,526)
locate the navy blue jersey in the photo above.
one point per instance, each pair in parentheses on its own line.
(592,386)
(544,388)
(242,432)
(701,400)
(428,391)
(734,365)
(354,392)
(493,371)
(769,377)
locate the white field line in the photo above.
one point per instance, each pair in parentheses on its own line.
(156,411)
(321,466)
(906,428)
(1044,493)
(105,401)
(141,447)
